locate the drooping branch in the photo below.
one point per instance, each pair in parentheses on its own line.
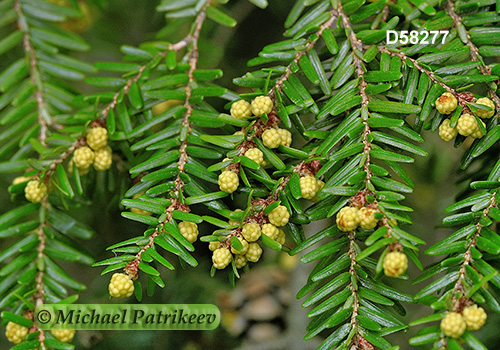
(459,293)
(471,244)
(460,97)
(122,92)
(358,66)
(39,294)
(44,118)
(259,126)
(310,45)
(126,88)
(474,51)
(191,40)
(193,63)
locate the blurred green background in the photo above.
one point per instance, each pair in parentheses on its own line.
(132,22)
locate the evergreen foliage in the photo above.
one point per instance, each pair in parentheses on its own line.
(356,108)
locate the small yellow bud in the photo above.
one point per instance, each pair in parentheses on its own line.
(81,171)
(228,181)
(251,231)
(20,179)
(97,138)
(308,187)
(243,250)
(255,154)
(261,105)
(286,137)
(103,158)
(137,210)
(221,257)
(453,325)
(16,333)
(347,219)
(466,124)
(485,101)
(83,157)
(241,109)
(474,317)
(270,231)
(213,245)
(254,252)
(35,191)
(121,286)
(63,335)
(395,264)
(189,230)
(446,132)
(165,106)
(271,138)
(240,261)
(446,103)
(367,218)
(321,184)
(281,239)
(478,133)
(279,216)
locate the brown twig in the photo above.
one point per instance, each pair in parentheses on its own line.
(354,276)
(39,295)
(385,12)
(472,244)
(356,44)
(459,303)
(273,119)
(52,168)
(126,88)
(44,118)
(474,52)
(193,62)
(132,269)
(310,45)
(122,92)
(192,55)
(460,97)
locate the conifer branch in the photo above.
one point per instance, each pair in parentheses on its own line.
(474,51)
(259,126)
(459,286)
(358,66)
(192,56)
(126,88)
(459,293)
(44,118)
(191,40)
(460,97)
(310,45)
(354,277)
(122,92)
(39,295)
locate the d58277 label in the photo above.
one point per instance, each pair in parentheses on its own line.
(413,37)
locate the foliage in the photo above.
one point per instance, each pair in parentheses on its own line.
(356,107)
